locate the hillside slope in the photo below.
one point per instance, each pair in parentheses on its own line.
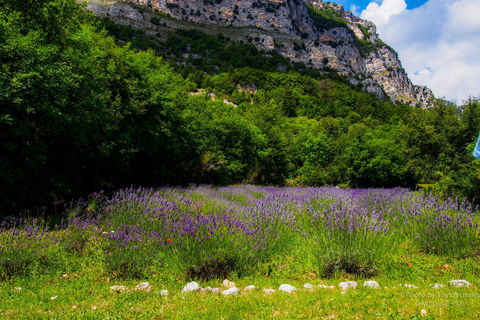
(321,35)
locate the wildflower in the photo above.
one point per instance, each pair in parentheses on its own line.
(410,264)
(169,240)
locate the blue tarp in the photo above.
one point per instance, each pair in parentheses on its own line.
(476,152)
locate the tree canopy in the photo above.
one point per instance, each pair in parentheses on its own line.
(86,105)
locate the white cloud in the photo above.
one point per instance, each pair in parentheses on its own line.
(424,72)
(354,9)
(381,14)
(438,44)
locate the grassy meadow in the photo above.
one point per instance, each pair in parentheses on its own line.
(263,236)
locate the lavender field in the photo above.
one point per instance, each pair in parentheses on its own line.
(213,233)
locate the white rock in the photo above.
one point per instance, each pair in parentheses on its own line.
(266,43)
(436,286)
(191,287)
(211,290)
(269,291)
(371,284)
(287,288)
(250,288)
(459,283)
(18,289)
(409,286)
(231,291)
(326,287)
(228,284)
(349,284)
(308,286)
(423,312)
(144,286)
(53,298)
(164,293)
(118,288)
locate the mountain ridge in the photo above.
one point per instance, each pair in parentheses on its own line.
(321,35)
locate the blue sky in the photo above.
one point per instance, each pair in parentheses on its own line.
(438,41)
(360,5)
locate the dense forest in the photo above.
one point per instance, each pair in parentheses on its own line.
(87,105)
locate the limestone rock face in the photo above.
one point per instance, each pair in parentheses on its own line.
(288,27)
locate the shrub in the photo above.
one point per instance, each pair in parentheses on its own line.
(297,46)
(357,263)
(128,262)
(15,265)
(171,5)
(155,21)
(349,237)
(218,267)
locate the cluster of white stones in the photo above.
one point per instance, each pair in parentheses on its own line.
(118,288)
(144,286)
(371,284)
(347,285)
(436,286)
(459,283)
(231,288)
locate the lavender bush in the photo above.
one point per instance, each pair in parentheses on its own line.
(445,227)
(204,232)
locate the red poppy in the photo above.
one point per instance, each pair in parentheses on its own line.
(169,240)
(409,264)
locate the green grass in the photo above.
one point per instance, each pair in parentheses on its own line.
(87,296)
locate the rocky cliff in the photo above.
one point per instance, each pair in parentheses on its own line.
(321,35)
